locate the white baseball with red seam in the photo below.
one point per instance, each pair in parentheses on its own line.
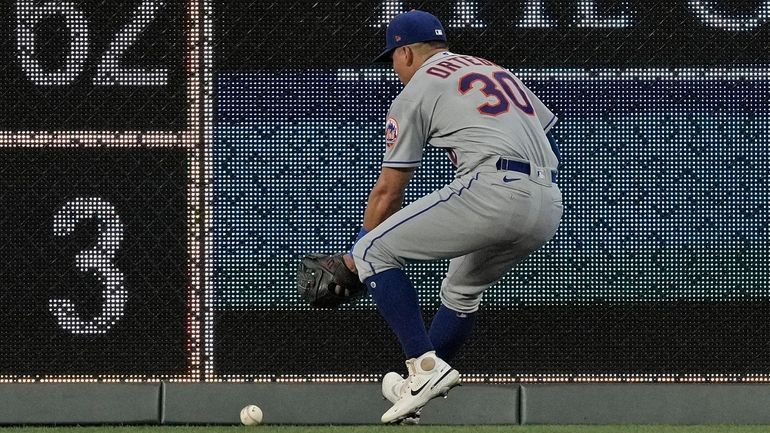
(251,415)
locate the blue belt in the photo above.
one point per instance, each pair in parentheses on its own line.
(521,167)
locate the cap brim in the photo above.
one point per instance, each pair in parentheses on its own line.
(385,57)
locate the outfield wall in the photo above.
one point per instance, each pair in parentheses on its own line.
(165,164)
(310,403)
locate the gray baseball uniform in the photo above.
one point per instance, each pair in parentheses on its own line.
(503,203)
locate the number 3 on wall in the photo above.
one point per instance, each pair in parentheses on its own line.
(98,260)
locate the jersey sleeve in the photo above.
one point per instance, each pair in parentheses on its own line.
(545,115)
(405,135)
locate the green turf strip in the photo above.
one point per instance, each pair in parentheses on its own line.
(396,429)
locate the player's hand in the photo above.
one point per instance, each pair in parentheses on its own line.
(327,282)
(350,263)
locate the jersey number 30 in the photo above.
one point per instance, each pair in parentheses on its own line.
(501,87)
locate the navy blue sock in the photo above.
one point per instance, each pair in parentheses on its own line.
(396,299)
(449,331)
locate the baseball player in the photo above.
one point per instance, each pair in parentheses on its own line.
(502,205)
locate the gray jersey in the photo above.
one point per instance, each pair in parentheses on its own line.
(471,107)
(493,214)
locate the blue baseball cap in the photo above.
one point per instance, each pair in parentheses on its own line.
(409,28)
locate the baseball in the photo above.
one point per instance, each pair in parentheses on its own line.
(251,415)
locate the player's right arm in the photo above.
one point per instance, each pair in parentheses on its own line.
(385,199)
(387,195)
(405,137)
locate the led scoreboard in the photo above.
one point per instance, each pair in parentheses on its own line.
(659,270)
(164,164)
(102,143)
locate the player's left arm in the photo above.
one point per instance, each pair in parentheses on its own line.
(554,145)
(547,119)
(544,114)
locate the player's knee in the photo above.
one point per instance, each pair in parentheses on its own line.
(362,268)
(371,258)
(460,301)
(357,252)
(365,256)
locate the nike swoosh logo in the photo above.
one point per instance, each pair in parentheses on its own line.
(441,378)
(506,179)
(420,388)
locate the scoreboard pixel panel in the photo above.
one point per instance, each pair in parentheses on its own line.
(147,235)
(103,139)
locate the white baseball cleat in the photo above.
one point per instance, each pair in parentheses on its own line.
(393,385)
(429,377)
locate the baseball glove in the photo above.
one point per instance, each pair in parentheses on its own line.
(325,282)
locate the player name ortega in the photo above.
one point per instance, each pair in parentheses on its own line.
(445,68)
(588,14)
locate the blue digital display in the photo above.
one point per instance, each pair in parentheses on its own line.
(664,175)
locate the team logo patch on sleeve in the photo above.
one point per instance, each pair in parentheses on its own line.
(391,132)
